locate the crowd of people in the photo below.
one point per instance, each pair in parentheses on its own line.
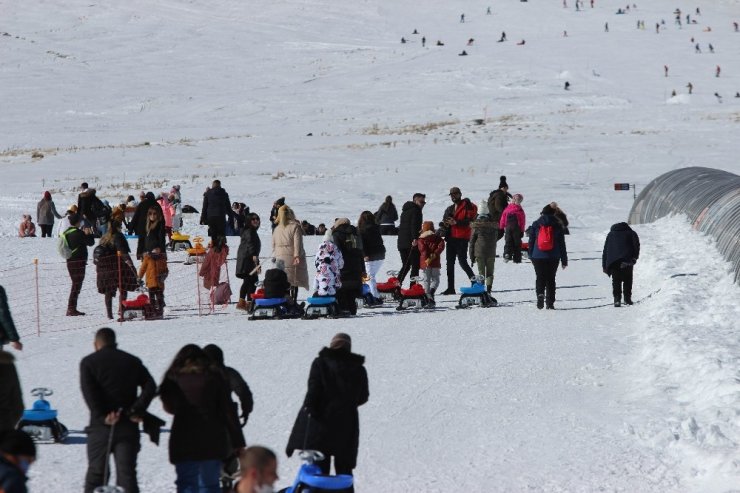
(206,441)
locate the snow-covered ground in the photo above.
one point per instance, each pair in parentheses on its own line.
(318,101)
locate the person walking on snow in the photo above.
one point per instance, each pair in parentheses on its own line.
(46,211)
(621,251)
(513,221)
(547,249)
(456,222)
(483,244)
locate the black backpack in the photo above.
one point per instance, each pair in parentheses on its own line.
(100,210)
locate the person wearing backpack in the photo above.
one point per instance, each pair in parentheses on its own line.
(77,240)
(546,250)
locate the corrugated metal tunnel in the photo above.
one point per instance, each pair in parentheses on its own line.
(710,198)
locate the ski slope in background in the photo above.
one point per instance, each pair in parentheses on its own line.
(319,102)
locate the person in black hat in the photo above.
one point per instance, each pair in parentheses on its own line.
(17,453)
(337,386)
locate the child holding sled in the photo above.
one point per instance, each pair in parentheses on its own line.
(513,222)
(430,246)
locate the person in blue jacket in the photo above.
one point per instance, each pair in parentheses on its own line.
(621,251)
(545,255)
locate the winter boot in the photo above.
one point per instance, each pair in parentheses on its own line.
(617,302)
(241,304)
(109,305)
(540,301)
(448,292)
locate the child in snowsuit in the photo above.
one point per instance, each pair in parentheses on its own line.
(329,261)
(430,246)
(154,269)
(483,243)
(27,229)
(513,222)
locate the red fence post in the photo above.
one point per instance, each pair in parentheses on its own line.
(197,283)
(120,288)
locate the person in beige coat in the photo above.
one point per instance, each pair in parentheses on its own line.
(287,245)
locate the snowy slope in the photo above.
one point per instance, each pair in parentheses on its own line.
(150,94)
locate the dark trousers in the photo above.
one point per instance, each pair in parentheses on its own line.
(388,229)
(216,229)
(341,466)
(347,298)
(124,448)
(46,230)
(513,243)
(545,270)
(457,249)
(76,269)
(622,276)
(410,260)
(249,286)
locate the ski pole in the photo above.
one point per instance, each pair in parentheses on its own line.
(108,449)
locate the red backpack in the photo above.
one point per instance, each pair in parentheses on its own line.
(546,238)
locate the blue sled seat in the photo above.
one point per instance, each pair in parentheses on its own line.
(268,302)
(321,300)
(338,482)
(41,411)
(365,289)
(474,289)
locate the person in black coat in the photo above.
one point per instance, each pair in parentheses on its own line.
(117,388)
(329,421)
(408,231)
(346,237)
(274,211)
(373,251)
(237,385)
(247,258)
(138,222)
(386,216)
(203,432)
(11,397)
(621,251)
(216,206)
(78,240)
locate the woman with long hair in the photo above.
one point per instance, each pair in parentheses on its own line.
(287,245)
(373,250)
(195,392)
(105,258)
(154,259)
(247,259)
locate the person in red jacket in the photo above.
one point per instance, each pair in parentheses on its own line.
(456,223)
(430,246)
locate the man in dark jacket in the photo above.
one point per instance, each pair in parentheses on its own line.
(216,206)
(78,240)
(456,224)
(110,381)
(497,202)
(11,397)
(545,258)
(138,221)
(236,382)
(17,453)
(621,251)
(337,386)
(408,231)
(8,333)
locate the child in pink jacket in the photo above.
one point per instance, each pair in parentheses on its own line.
(513,222)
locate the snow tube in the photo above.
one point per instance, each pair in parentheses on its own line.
(321,300)
(267,302)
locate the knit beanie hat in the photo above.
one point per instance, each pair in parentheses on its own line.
(17,442)
(502,182)
(427,226)
(548,210)
(341,341)
(483,208)
(517,198)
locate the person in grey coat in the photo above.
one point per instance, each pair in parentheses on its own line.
(46,211)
